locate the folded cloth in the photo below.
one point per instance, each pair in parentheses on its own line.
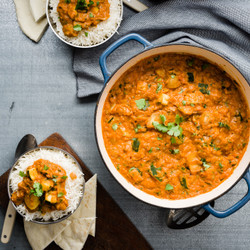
(221,25)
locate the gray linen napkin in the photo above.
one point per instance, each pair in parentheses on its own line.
(222,25)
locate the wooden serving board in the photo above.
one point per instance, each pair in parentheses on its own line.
(114,230)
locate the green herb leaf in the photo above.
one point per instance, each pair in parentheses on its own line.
(223,125)
(97,3)
(160,127)
(174,151)
(141,104)
(205,165)
(114,126)
(86,34)
(46,167)
(204,106)
(159,87)
(190,62)
(81,5)
(77,27)
(184,103)
(163,118)
(169,187)
(37,191)
(178,119)
(136,169)
(184,183)
(90,3)
(150,150)
(204,88)
(173,75)
(135,144)
(137,128)
(54,179)
(173,140)
(61,194)
(67,1)
(91,15)
(64,177)
(154,170)
(190,77)
(159,138)
(22,174)
(192,105)
(156,58)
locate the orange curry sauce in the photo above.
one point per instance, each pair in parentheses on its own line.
(175,126)
(76,15)
(42,188)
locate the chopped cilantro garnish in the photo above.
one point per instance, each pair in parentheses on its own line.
(150,150)
(156,58)
(223,125)
(37,191)
(97,3)
(81,5)
(204,88)
(190,77)
(136,169)
(137,128)
(142,104)
(190,62)
(221,167)
(163,118)
(91,15)
(110,119)
(90,3)
(192,104)
(64,177)
(214,146)
(159,87)
(204,106)
(154,169)
(174,151)
(184,182)
(204,66)
(173,140)
(61,194)
(46,167)
(114,126)
(54,179)
(205,165)
(77,27)
(184,103)
(159,138)
(22,174)
(86,34)
(135,144)
(67,1)
(173,75)
(181,91)
(169,187)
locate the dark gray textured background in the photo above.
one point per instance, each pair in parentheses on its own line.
(38,96)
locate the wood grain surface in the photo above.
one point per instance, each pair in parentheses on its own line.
(114,230)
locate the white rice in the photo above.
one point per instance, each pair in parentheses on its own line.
(74,188)
(96,35)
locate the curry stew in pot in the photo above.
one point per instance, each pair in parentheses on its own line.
(175,126)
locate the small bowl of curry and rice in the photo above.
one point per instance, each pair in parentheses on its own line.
(84,23)
(46,185)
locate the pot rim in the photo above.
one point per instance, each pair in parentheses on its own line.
(12,169)
(99,147)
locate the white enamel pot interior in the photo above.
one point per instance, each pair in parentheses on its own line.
(210,56)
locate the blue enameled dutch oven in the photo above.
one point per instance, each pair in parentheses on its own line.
(110,79)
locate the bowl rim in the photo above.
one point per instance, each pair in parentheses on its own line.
(96,126)
(55,149)
(49,19)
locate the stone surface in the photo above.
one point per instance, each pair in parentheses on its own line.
(38,96)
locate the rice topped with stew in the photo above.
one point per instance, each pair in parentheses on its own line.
(46,185)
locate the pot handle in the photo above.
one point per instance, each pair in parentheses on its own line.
(114,46)
(235,207)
